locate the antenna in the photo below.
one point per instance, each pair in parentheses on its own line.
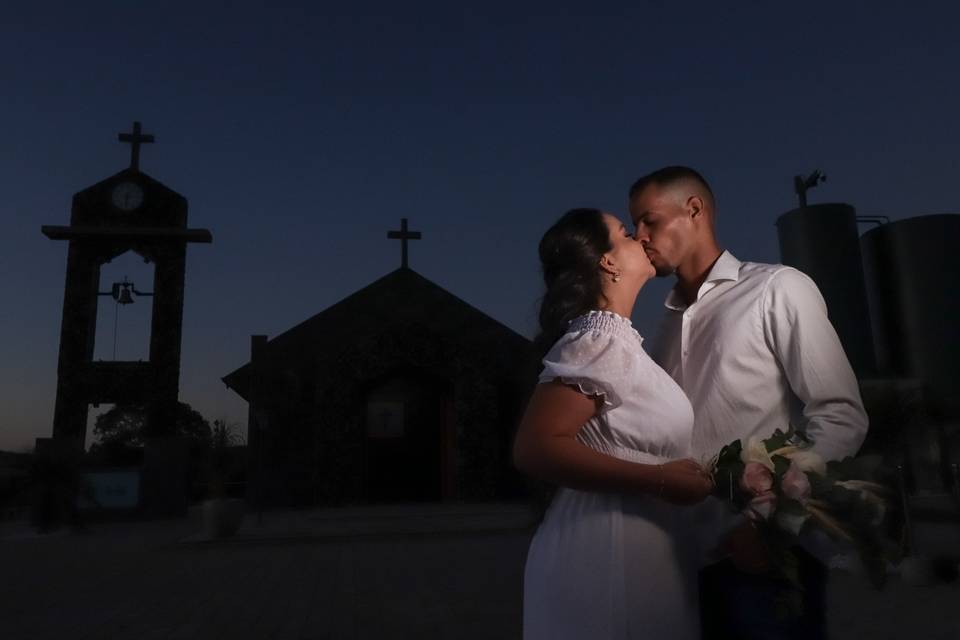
(801,185)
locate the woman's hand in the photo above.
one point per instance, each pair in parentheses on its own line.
(684,482)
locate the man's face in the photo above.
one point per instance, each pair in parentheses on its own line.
(663,226)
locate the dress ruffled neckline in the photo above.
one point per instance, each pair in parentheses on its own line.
(605,321)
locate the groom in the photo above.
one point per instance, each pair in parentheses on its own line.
(752,347)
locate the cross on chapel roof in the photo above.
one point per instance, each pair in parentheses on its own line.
(403,235)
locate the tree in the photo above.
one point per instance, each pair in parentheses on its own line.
(121,428)
(223,464)
(226,434)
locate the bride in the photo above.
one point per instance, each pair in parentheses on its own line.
(613,557)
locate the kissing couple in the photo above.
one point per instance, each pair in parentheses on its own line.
(632,544)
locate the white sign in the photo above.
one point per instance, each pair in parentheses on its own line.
(384,419)
(110,490)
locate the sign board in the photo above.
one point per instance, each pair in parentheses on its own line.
(119,489)
(384,419)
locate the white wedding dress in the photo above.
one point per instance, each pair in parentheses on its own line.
(611,566)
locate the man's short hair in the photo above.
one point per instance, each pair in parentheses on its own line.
(668,176)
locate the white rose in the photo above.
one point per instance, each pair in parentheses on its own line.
(807,460)
(756,451)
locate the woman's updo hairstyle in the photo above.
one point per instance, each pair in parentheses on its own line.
(570,253)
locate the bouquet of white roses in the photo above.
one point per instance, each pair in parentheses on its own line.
(788,490)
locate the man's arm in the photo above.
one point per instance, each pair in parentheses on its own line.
(805,343)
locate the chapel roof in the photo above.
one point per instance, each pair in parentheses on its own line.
(398,302)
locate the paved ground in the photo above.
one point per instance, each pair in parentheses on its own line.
(450,572)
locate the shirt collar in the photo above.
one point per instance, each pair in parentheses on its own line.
(726,268)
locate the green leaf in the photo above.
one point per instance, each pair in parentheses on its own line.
(780,466)
(778,439)
(727,483)
(730,454)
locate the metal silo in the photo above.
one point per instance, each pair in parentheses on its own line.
(913,273)
(823,241)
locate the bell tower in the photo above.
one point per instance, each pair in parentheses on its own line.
(129,211)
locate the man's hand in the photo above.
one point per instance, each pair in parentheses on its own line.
(747,550)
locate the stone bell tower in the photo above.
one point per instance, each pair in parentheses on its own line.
(129,211)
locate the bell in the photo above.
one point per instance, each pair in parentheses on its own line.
(125,297)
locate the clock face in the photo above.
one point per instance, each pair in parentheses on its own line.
(127,196)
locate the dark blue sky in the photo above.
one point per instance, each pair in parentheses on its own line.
(301,134)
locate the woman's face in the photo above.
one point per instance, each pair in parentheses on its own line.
(627,254)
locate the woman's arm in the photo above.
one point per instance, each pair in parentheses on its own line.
(546,448)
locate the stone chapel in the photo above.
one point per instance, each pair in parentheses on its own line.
(401,392)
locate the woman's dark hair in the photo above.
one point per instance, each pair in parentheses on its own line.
(570,253)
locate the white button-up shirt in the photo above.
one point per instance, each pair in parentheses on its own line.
(756,352)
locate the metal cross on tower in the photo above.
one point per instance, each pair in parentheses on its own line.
(135,139)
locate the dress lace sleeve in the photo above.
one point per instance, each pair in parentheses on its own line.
(597,362)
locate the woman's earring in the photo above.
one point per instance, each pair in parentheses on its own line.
(616,276)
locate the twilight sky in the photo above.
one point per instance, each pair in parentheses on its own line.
(301,134)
